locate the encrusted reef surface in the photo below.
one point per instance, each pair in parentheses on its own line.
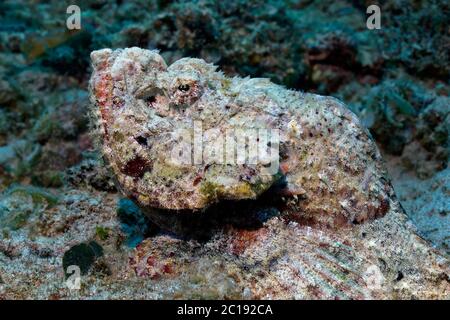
(59,203)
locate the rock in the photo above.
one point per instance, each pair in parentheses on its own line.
(7,93)
(427,203)
(91,172)
(82,255)
(18,204)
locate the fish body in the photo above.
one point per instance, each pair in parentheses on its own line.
(185,136)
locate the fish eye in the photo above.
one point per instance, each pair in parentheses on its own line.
(184,87)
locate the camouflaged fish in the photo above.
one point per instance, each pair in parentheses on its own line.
(338,231)
(330,167)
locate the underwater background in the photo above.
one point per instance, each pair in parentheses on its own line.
(396,79)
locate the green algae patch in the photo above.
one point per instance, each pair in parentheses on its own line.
(244,190)
(19,220)
(102,233)
(48,179)
(210,190)
(39,195)
(118,137)
(260,186)
(19,204)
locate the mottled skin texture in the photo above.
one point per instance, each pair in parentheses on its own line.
(331,168)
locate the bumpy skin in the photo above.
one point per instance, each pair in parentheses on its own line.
(331,169)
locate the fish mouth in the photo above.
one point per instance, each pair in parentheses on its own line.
(203,224)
